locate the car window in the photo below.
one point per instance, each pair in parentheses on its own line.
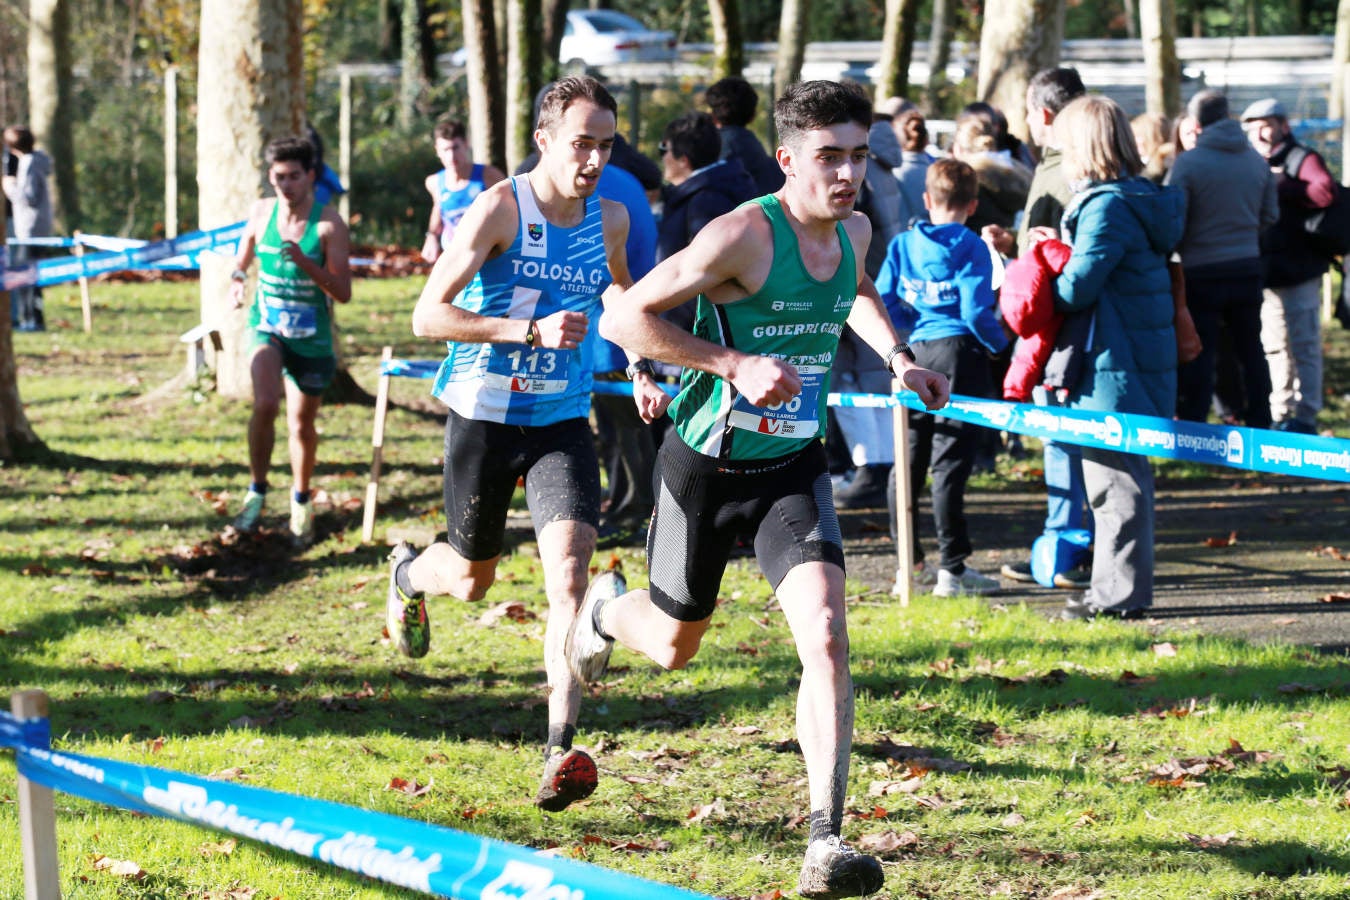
(609,22)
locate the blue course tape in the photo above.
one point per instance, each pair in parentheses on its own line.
(417,855)
(133,254)
(15,732)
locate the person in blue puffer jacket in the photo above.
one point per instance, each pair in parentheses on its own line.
(1122,228)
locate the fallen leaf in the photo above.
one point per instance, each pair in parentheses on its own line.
(926,707)
(231,774)
(747,729)
(1012,820)
(409,787)
(1129,678)
(1164,649)
(1076,892)
(1209,842)
(774,894)
(222,848)
(700,813)
(124,868)
(887,841)
(1222,542)
(160,697)
(507,609)
(886,788)
(33,570)
(942,665)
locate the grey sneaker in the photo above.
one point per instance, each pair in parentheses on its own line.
(568,777)
(405,617)
(834,869)
(968,582)
(587,652)
(248,517)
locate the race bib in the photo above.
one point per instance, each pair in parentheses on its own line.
(795,419)
(288,320)
(537,371)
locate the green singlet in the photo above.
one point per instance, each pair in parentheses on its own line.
(288,303)
(793,317)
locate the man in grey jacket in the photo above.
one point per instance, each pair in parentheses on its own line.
(1230,200)
(27,191)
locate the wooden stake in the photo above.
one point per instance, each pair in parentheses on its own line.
(377,451)
(37,816)
(86,305)
(904,503)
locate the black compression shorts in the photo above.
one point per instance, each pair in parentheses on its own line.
(703,505)
(483,461)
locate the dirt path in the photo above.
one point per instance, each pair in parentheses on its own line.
(1292,548)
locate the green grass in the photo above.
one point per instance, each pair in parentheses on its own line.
(116,600)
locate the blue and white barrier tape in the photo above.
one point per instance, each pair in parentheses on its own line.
(1254,449)
(121,254)
(428,858)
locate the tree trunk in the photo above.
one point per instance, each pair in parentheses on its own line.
(728,39)
(897,48)
(1340,71)
(1018,39)
(1131,20)
(523,57)
(486,119)
(787,66)
(49,107)
(1162,70)
(555,21)
(249,90)
(939,52)
(17,438)
(410,84)
(386,26)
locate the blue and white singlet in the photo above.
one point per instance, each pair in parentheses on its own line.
(545,270)
(452,203)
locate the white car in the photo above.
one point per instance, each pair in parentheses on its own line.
(601,37)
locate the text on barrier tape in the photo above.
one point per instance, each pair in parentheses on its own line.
(429,858)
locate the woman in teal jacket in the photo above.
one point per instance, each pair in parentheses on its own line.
(1122,228)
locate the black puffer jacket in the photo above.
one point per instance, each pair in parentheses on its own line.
(689,206)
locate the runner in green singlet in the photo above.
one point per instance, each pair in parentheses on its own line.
(776,279)
(302,251)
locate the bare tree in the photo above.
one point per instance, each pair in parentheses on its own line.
(486,121)
(787,66)
(1018,39)
(939,51)
(728,39)
(897,48)
(1162,70)
(249,90)
(524,57)
(49,105)
(17,439)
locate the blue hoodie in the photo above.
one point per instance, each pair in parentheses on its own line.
(937,281)
(1122,233)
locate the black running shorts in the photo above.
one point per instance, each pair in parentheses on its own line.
(483,460)
(703,505)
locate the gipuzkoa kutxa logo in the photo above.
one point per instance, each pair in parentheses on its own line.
(536,230)
(522,881)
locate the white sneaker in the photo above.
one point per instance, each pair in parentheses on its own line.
(923,577)
(302,523)
(248,517)
(586,651)
(968,582)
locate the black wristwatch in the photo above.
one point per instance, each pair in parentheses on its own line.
(641,367)
(529,334)
(900,349)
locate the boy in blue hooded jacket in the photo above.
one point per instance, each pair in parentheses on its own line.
(937,282)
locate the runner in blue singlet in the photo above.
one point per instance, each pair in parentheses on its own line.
(455,186)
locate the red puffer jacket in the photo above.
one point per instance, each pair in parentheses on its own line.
(1027,302)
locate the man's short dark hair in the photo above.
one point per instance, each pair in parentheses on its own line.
(290,149)
(808,105)
(1054,89)
(1207,107)
(951,183)
(20,137)
(732,101)
(449,128)
(565,92)
(694,136)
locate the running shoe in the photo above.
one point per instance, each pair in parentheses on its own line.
(968,583)
(248,517)
(1019,571)
(568,777)
(302,523)
(405,617)
(834,869)
(587,652)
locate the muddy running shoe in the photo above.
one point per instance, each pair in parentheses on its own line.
(834,869)
(587,652)
(248,517)
(405,617)
(302,523)
(568,777)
